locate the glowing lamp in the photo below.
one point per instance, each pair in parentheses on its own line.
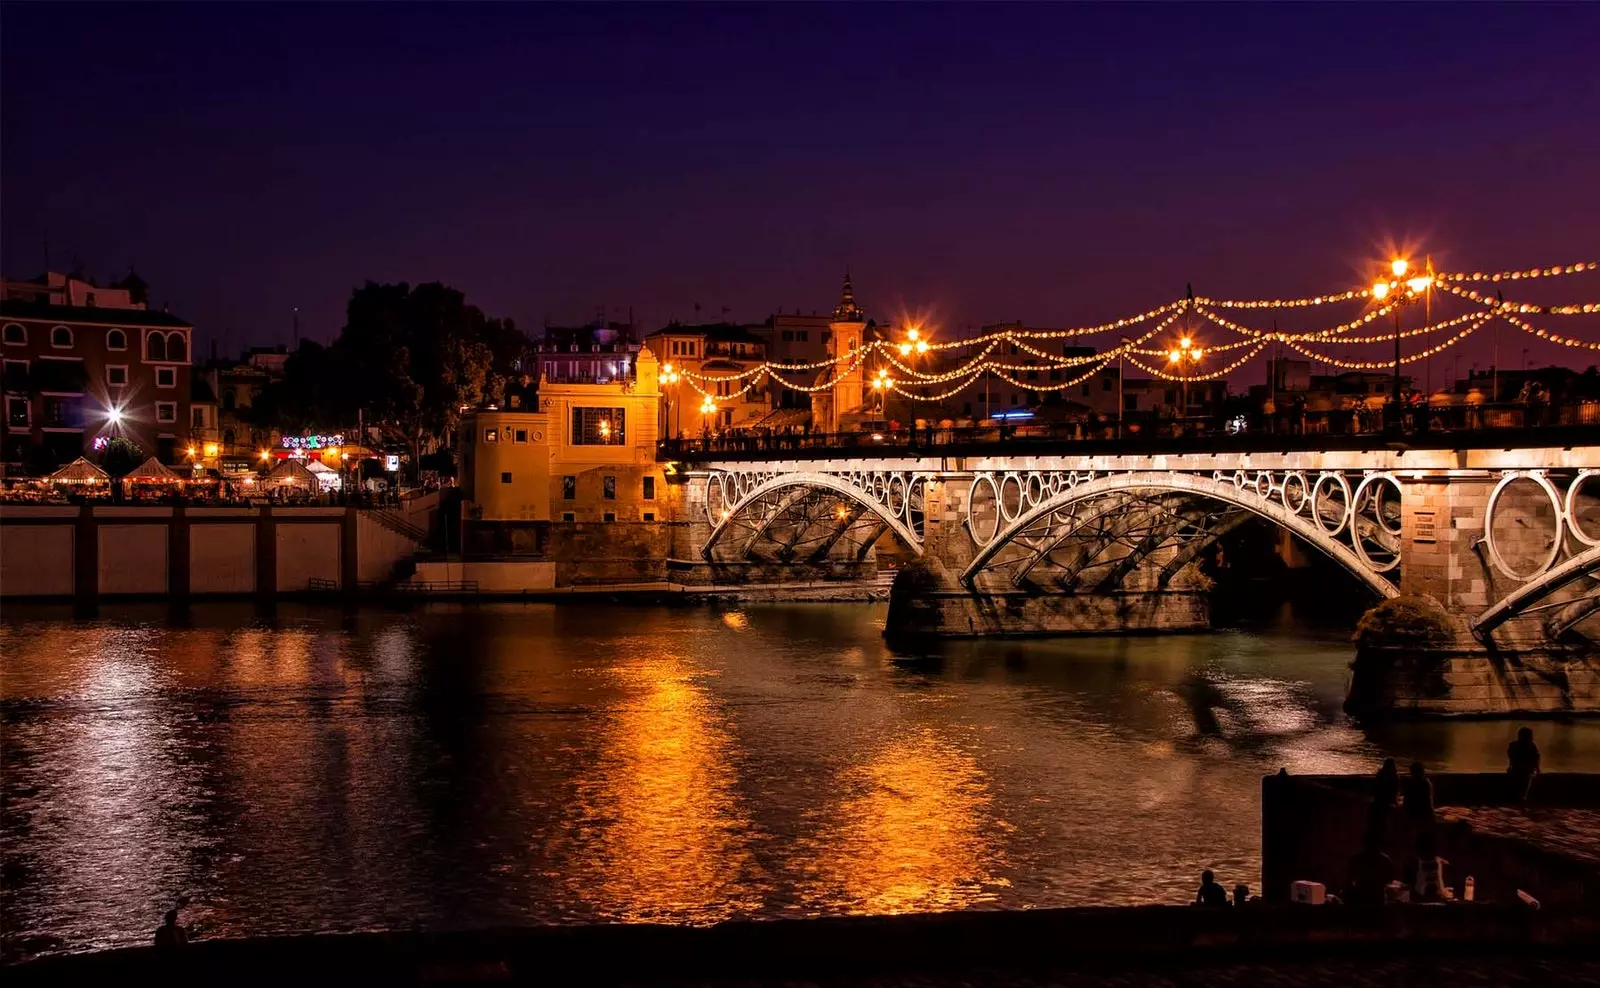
(1399,266)
(905,349)
(191,450)
(114,415)
(1380,289)
(922,346)
(1420,285)
(211,449)
(1186,343)
(265,455)
(913,333)
(1172,356)
(1198,353)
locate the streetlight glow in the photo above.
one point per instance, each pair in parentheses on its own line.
(905,349)
(1172,356)
(1420,285)
(1399,266)
(1380,290)
(1186,343)
(912,334)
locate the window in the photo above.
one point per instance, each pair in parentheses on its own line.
(16,376)
(649,488)
(16,335)
(166,411)
(198,417)
(177,347)
(608,488)
(63,413)
(117,375)
(17,412)
(166,377)
(599,427)
(569,488)
(61,337)
(649,516)
(155,346)
(610,516)
(788,336)
(1105,384)
(519,436)
(802,334)
(505,477)
(675,348)
(491,435)
(116,339)
(227,437)
(569,516)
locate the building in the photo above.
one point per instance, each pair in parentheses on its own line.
(583,453)
(599,353)
(712,350)
(84,364)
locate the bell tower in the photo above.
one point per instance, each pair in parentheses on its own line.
(848,327)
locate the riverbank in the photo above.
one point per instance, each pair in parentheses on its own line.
(1127,945)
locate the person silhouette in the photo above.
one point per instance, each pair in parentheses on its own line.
(169,934)
(1419,796)
(1522,764)
(1211,893)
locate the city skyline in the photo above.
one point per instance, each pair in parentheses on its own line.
(256,193)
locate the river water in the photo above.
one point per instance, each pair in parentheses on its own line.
(476,766)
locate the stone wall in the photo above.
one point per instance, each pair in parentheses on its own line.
(1548,681)
(1312,825)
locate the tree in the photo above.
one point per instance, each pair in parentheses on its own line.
(412,358)
(120,457)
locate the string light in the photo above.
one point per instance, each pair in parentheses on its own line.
(1550,272)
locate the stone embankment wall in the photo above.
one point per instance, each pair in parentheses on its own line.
(1551,681)
(90,551)
(1312,825)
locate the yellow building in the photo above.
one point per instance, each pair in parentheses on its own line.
(585,454)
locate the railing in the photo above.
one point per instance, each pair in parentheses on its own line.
(398,525)
(1454,426)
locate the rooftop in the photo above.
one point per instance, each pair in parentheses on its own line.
(80,314)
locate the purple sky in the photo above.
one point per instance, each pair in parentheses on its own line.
(1055,164)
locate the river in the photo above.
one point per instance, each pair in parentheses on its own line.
(476,766)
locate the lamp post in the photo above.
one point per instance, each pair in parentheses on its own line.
(913,345)
(1404,292)
(1184,357)
(669,377)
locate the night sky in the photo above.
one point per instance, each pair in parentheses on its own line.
(1055,164)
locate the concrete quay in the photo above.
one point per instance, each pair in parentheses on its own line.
(1154,945)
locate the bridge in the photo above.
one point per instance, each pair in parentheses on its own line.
(1501,529)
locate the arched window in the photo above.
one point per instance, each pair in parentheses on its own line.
(116,339)
(177,347)
(155,346)
(16,334)
(61,336)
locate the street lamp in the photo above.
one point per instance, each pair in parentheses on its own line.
(669,377)
(881,384)
(1403,291)
(1184,357)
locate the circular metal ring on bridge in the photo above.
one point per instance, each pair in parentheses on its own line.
(1008,511)
(1240,480)
(896,496)
(1334,481)
(972,503)
(1054,483)
(1573,524)
(879,488)
(1264,483)
(1034,489)
(1369,487)
(1550,492)
(1302,494)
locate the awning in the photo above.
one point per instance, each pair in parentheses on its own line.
(79,471)
(153,470)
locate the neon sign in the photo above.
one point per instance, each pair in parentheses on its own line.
(313,441)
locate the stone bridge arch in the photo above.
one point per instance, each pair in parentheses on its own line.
(755,505)
(1325,511)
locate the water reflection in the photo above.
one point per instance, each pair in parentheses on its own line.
(662,834)
(909,829)
(307,770)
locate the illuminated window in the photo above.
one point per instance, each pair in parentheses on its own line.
(608,488)
(491,435)
(569,489)
(599,427)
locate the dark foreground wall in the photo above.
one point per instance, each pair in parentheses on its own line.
(1311,826)
(889,948)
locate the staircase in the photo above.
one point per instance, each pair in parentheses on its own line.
(396,523)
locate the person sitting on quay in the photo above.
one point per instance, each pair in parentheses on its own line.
(169,934)
(1522,764)
(1211,893)
(1425,873)
(1369,873)
(1419,796)
(1242,897)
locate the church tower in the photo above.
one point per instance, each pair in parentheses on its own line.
(848,327)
